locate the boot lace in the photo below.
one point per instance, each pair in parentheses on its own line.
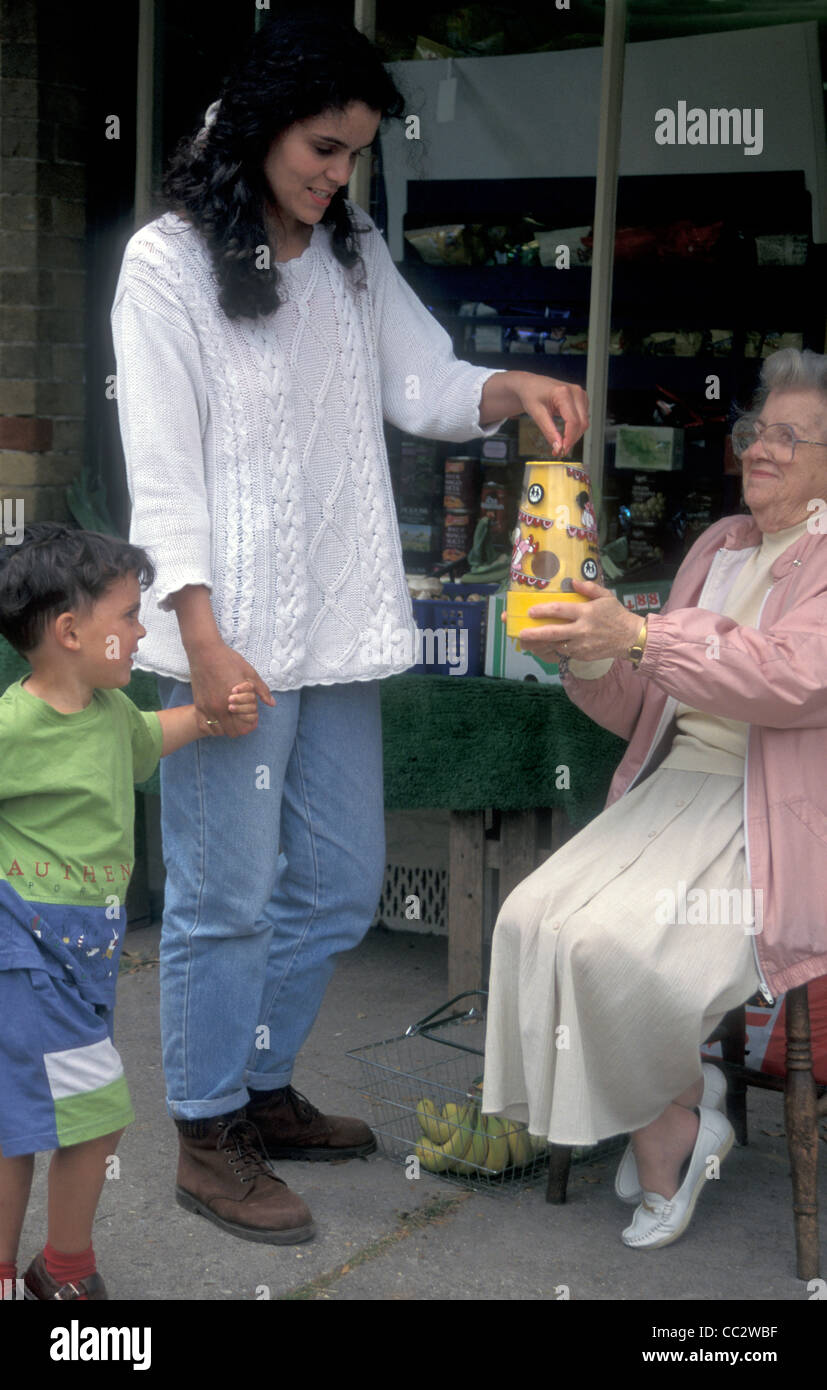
(301,1106)
(244,1144)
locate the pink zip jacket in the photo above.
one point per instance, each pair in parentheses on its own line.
(773,677)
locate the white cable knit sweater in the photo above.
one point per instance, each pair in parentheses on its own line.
(255,454)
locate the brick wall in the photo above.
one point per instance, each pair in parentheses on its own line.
(42,278)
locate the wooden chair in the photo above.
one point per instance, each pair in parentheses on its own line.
(802,1108)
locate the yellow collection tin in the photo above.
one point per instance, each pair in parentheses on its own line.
(555,541)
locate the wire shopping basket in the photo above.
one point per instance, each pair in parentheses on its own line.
(425,1091)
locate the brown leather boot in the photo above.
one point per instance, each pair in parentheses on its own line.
(291,1127)
(223,1174)
(38,1283)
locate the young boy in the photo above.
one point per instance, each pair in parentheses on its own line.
(71,747)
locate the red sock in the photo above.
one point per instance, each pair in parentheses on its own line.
(7,1273)
(69,1269)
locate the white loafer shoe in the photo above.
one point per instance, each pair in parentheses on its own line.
(658,1220)
(627,1183)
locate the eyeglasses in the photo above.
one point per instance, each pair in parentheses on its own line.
(779,440)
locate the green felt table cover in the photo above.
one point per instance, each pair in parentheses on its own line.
(465,743)
(471,742)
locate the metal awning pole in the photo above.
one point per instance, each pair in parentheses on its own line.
(144,112)
(358,190)
(600,302)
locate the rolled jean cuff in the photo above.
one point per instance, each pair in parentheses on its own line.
(268,1081)
(207,1109)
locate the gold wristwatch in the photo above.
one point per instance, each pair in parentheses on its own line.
(635,652)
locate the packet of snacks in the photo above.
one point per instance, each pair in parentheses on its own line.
(760,344)
(440,245)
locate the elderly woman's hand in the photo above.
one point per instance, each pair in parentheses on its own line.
(588,631)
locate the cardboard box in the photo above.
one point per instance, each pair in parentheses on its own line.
(421,546)
(420,539)
(420,470)
(531,442)
(500,447)
(416,511)
(649,448)
(487,337)
(501,655)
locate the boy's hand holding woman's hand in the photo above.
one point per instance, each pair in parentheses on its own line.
(217,673)
(182,724)
(225,689)
(242,705)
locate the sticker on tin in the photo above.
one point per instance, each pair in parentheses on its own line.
(545,564)
(588,569)
(587,517)
(546,522)
(535,494)
(523,545)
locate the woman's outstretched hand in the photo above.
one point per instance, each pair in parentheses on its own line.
(588,631)
(506,394)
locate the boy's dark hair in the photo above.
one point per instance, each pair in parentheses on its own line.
(56,568)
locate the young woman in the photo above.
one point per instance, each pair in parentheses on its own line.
(262,333)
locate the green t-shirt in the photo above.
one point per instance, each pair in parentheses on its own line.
(67,805)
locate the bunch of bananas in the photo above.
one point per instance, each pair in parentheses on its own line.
(460,1139)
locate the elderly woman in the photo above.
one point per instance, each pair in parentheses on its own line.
(615,959)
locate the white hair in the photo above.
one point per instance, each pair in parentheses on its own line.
(791,370)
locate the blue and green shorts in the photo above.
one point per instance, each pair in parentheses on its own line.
(61,1078)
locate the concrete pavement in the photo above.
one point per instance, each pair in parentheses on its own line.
(382,1236)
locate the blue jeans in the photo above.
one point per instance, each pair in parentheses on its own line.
(274,845)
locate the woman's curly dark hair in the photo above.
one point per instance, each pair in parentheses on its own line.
(294,68)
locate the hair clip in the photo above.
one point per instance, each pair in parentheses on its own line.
(209,121)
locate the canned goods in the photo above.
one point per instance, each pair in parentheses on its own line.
(457,537)
(493,504)
(461,474)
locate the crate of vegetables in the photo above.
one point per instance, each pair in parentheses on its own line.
(452,630)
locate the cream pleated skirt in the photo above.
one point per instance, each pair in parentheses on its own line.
(616,959)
